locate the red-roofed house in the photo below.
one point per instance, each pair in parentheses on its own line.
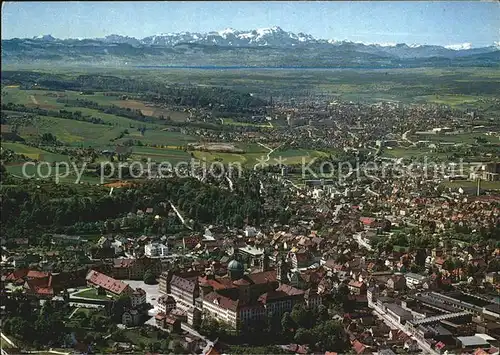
(109,284)
(33,274)
(40,287)
(171,323)
(360,348)
(367,221)
(357,287)
(16,275)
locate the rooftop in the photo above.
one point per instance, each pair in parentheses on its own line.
(473,341)
(249,249)
(106,282)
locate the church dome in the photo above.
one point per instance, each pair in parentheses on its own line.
(235,269)
(235,265)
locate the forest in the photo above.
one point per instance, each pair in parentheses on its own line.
(28,209)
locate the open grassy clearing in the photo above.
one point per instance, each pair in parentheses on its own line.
(42,172)
(92,293)
(405,152)
(226,158)
(449,100)
(76,133)
(288,157)
(152,111)
(251,147)
(468,138)
(160,154)
(296,156)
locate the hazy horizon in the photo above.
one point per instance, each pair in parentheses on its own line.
(466,24)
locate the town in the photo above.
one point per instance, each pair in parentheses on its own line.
(380,269)
(251,190)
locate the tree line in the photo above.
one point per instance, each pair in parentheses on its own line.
(68,115)
(27,210)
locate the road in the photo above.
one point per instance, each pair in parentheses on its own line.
(291,183)
(230,183)
(8,341)
(270,150)
(405,138)
(367,189)
(180,216)
(390,322)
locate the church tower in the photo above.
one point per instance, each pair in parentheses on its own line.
(282,271)
(264,262)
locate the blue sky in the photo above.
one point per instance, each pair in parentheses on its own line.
(421,22)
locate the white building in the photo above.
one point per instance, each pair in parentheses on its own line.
(153,250)
(166,303)
(250,232)
(138,297)
(413,280)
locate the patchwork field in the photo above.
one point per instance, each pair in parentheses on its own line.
(458,88)
(48,100)
(33,152)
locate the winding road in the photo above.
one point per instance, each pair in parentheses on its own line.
(270,150)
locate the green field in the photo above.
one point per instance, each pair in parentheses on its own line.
(161,154)
(92,293)
(487,185)
(449,100)
(34,153)
(288,157)
(468,138)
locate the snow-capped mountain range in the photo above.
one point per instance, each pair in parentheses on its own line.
(266,47)
(271,37)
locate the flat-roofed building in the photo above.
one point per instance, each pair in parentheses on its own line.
(398,313)
(472,342)
(413,280)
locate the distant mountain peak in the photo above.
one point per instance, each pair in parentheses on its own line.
(459,46)
(47,38)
